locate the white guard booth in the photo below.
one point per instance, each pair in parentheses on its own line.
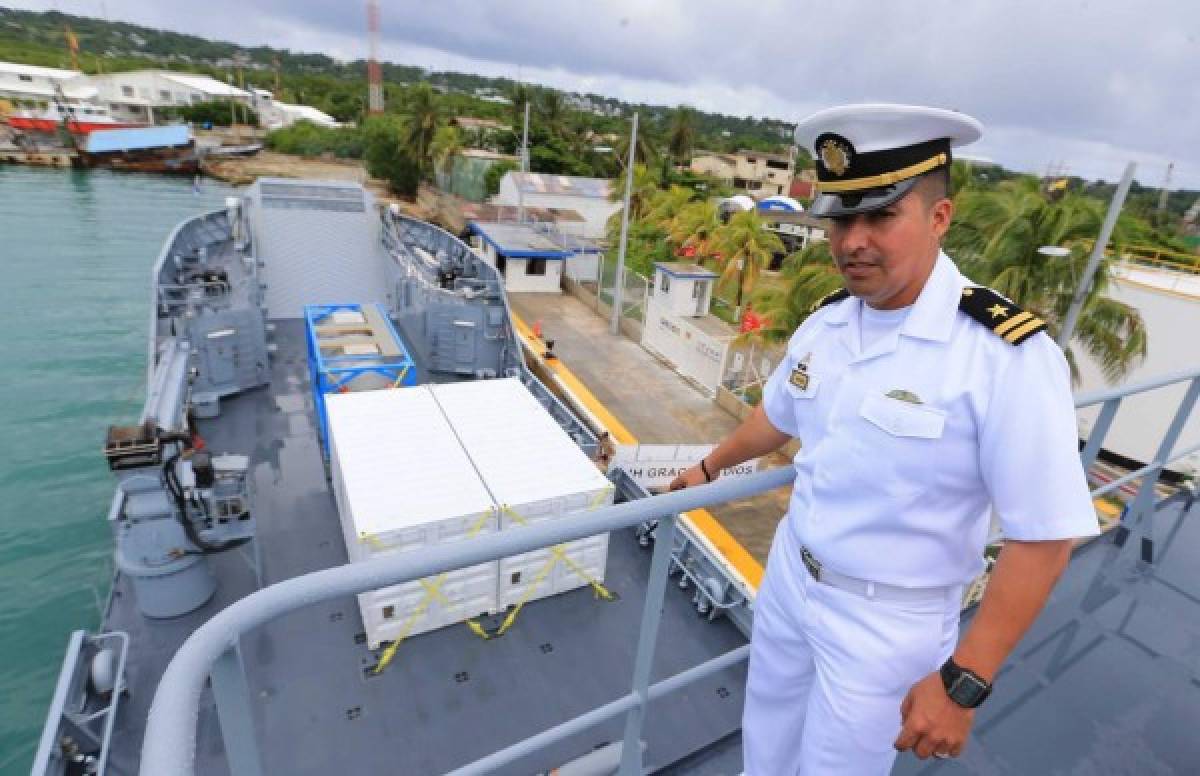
(403,482)
(534,472)
(678,328)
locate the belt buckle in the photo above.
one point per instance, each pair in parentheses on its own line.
(811,563)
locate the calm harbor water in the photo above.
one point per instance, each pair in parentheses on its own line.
(75,255)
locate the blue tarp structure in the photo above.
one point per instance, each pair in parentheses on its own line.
(137,138)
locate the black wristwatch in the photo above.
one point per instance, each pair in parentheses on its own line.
(965,687)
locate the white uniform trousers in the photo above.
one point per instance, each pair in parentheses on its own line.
(829,669)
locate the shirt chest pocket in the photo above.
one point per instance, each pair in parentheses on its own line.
(902,419)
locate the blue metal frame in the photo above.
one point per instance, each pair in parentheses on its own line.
(331,374)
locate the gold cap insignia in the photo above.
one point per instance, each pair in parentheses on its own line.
(835,155)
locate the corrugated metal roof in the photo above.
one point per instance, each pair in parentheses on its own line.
(40,72)
(108,140)
(205,84)
(565,185)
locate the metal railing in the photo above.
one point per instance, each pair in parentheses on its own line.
(1141,511)
(212,651)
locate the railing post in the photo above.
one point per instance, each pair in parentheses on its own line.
(1099,431)
(1143,503)
(232,697)
(656,585)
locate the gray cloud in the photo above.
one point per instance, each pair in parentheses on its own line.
(1088,84)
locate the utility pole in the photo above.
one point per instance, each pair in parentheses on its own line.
(1162,197)
(619,284)
(524,167)
(1110,221)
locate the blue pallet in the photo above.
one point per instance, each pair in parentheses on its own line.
(331,374)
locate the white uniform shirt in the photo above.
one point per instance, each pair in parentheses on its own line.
(900,492)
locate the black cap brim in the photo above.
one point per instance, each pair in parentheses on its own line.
(850,203)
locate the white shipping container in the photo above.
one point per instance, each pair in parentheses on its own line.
(403,482)
(534,472)
(409,609)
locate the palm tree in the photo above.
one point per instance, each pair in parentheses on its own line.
(807,277)
(664,206)
(423,119)
(647,152)
(552,111)
(447,142)
(996,237)
(645,186)
(681,134)
(746,248)
(518,96)
(694,226)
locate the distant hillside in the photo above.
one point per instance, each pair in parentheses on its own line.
(38,38)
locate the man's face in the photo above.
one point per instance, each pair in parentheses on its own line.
(886,255)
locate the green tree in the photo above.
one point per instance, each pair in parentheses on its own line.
(665,206)
(806,277)
(387,157)
(681,134)
(995,238)
(550,109)
(491,178)
(220,113)
(695,226)
(647,151)
(447,142)
(518,96)
(645,187)
(423,117)
(746,248)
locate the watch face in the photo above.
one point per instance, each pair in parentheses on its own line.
(967,691)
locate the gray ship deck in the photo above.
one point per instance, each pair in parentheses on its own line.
(1106,682)
(449,697)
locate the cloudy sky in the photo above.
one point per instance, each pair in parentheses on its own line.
(1089,84)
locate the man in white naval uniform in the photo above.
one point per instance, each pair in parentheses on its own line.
(923,403)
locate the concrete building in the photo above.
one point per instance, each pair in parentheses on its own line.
(30,86)
(586,196)
(138,95)
(528,257)
(273,114)
(756,172)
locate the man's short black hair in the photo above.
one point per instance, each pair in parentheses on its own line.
(934,185)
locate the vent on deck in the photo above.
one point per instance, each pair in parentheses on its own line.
(300,197)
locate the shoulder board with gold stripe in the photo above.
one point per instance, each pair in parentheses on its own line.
(830,298)
(1000,315)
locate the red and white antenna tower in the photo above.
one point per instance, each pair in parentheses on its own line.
(374,72)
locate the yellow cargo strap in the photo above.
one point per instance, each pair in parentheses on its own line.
(433,592)
(547,567)
(560,555)
(557,553)
(403,374)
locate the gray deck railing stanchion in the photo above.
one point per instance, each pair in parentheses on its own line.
(1142,509)
(656,587)
(231,695)
(1099,431)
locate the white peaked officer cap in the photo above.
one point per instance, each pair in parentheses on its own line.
(870,155)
